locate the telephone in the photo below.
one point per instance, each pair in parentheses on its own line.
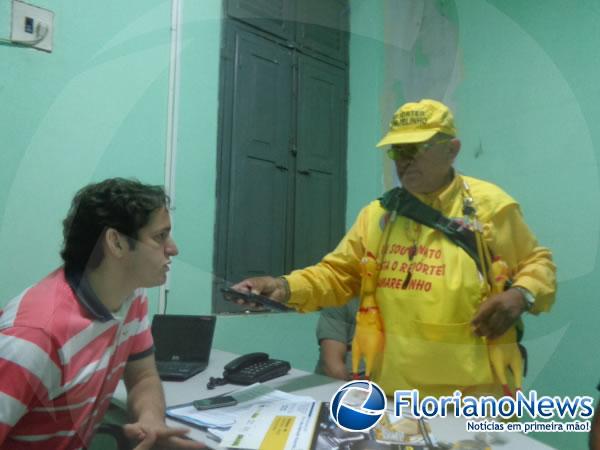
(254,368)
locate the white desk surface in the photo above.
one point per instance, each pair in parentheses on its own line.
(316,386)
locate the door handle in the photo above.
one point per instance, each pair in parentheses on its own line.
(280,167)
(304,172)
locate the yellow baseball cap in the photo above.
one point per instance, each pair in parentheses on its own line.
(418,122)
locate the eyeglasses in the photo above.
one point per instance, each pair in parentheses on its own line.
(411,151)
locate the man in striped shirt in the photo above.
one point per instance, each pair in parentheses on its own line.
(66,342)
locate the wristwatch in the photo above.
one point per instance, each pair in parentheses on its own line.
(528,296)
(286,287)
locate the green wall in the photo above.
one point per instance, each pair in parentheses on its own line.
(520,77)
(527,105)
(93,108)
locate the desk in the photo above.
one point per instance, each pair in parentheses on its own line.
(304,383)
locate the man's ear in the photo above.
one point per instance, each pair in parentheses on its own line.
(454,148)
(114,241)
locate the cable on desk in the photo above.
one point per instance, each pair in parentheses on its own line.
(214,382)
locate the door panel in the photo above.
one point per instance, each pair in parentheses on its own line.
(320,165)
(321,90)
(281,183)
(314,236)
(261,126)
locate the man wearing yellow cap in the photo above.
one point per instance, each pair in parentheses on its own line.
(433,288)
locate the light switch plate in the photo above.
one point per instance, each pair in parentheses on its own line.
(26,20)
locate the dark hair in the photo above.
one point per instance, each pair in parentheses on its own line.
(119,203)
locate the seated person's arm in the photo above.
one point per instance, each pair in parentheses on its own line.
(146,402)
(335,330)
(333,359)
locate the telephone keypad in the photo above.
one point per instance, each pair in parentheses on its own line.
(261,371)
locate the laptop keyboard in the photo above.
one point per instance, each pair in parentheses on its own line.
(170,367)
(176,367)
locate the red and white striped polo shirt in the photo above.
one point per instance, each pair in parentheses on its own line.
(61,357)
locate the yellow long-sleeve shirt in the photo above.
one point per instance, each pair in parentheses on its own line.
(429,341)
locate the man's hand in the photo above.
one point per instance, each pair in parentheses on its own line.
(271,287)
(148,435)
(146,402)
(333,357)
(498,313)
(134,432)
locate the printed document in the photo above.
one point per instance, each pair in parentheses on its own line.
(280,425)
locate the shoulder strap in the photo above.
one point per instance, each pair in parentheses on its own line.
(407,205)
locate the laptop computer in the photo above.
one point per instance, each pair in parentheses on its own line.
(182,344)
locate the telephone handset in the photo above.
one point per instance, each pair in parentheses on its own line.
(254,368)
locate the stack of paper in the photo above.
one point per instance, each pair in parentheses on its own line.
(263,418)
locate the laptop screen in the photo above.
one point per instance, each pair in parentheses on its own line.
(182,338)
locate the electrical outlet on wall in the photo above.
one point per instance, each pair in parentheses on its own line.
(32,25)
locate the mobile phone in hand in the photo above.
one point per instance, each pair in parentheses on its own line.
(232,295)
